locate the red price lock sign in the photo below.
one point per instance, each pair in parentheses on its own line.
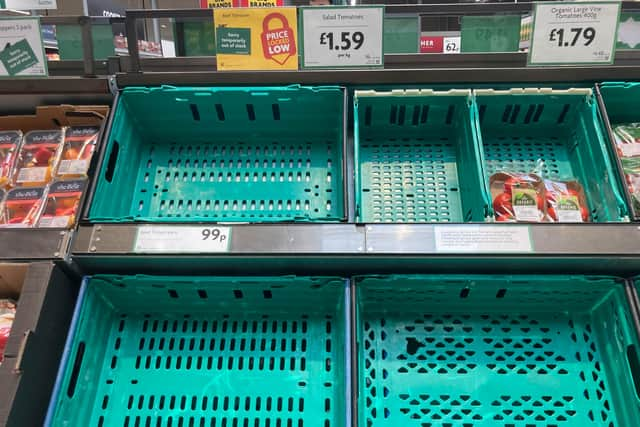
(278,42)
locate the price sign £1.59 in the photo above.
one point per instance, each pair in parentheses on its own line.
(574,33)
(339,37)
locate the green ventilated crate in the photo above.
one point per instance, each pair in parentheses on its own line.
(621,105)
(522,129)
(417,159)
(496,351)
(224,154)
(192,352)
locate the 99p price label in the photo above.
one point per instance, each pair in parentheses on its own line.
(574,33)
(182,239)
(342,37)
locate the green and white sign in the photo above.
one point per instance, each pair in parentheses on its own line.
(21,49)
(574,33)
(483,34)
(629,31)
(28,4)
(233,41)
(342,37)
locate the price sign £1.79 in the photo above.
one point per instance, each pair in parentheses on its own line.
(574,33)
(342,37)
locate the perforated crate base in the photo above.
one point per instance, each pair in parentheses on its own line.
(410,180)
(274,181)
(523,155)
(217,371)
(527,358)
(207,352)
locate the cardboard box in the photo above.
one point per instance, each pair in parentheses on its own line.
(54,117)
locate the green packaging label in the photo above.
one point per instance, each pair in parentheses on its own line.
(525,205)
(233,41)
(568,209)
(18,57)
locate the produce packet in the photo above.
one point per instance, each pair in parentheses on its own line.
(517,197)
(79,145)
(7,315)
(22,207)
(9,146)
(565,201)
(38,157)
(62,204)
(627,138)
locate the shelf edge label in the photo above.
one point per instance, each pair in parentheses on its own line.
(182,239)
(574,33)
(342,37)
(482,239)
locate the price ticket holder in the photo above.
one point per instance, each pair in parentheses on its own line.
(349,37)
(574,33)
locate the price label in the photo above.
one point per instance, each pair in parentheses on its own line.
(342,37)
(451,45)
(21,48)
(482,239)
(28,4)
(182,239)
(574,33)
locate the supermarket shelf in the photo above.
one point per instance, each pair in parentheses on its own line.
(245,239)
(380,248)
(34,244)
(449,74)
(21,96)
(54,85)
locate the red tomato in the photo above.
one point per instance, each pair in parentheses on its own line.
(42,156)
(510,183)
(585,213)
(502,205)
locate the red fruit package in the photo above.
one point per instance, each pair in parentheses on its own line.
(9,145)
(565,201)
(517,197)
(79,145)
(38,157)
(22,207)
(63,203)
(7,314)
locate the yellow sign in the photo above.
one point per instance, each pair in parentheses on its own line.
(219,3)
(256,39)
(261,3)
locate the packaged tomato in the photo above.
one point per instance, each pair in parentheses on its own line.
(22,207)
(7,315)
(79,145)
(9,146)
(565,201)
(38,157)
(517,197)
(627,138)
(63,203)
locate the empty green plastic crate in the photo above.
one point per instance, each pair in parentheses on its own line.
(224,154)
(417,159)
(621,102)
(496,351)
(186,351)
(522,129)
